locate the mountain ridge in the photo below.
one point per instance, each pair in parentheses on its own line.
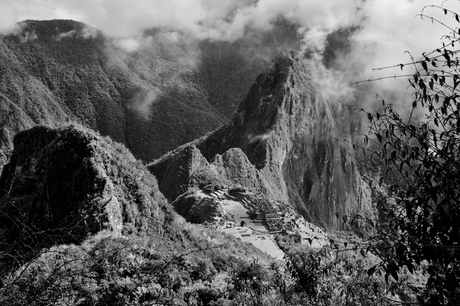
(288,133)
(169,91)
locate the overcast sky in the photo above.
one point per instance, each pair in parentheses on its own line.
(388,27)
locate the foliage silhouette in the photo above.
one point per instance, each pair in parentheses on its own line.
(420,154)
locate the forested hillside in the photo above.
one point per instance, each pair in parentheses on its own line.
(170,90)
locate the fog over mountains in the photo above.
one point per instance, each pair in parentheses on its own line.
(288,129)
(154,84)
(288,141)
(122,124)
(166,86)
(385,28)
(173,90)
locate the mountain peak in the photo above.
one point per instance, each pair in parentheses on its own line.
(288,130)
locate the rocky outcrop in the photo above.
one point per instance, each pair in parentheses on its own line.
(64,184)
(287,141)
(186,166)
(197,208)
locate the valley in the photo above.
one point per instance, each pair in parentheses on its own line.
(186,171)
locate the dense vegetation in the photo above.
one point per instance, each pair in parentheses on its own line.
(108,270)
(53,71)
(64,244)
(82,222)
(420,156)
(166,93)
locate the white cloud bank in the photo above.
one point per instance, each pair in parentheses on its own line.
(8,18)
(389,22)
(386,28)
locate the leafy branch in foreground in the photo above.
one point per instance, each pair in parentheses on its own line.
(421,157)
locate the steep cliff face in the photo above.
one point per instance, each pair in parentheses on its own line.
(291,133)
(64,184)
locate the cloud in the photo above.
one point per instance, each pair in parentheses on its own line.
(261,137)
(390,27)
(128,44)
(85,33)
(386,31)
(224,19)
(387,27)
(382,21)
(28,36)
(383,29)
(143,100)
(8,18)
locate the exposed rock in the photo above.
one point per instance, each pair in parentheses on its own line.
(197,208)
(291,133)
(186,167)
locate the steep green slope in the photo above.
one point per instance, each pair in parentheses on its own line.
(169,91)
(59,70)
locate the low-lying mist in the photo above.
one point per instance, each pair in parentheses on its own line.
(349,38)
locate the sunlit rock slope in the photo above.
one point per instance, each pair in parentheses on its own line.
(289,140)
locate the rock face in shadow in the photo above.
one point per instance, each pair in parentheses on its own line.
(289,140)
(64,184)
